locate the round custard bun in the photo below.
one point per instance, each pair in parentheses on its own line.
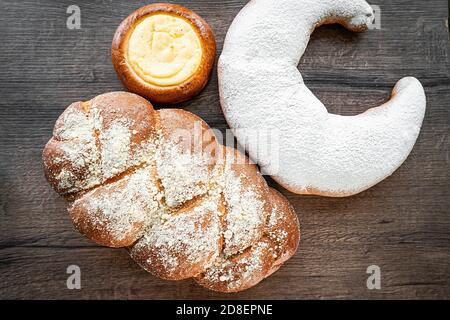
(164,52)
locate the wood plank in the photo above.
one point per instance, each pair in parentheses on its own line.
(400,224)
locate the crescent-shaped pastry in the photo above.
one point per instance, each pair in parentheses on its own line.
(269,108)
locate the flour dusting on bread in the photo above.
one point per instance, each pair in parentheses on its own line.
(159,184)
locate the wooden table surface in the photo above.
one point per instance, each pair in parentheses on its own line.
(402,224)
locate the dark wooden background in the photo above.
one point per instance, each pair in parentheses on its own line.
(401,225)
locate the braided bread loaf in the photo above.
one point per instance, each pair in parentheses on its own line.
(159,184)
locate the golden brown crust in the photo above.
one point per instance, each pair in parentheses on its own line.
(158,183)
(80,154)
(181,245)
(54,158)
(239,272)
(317,192)
(342,21)
(81,163)
(283,230)
(158,94)
(239,166)
(278,244)
(189,131)
(97,214)
(186,159)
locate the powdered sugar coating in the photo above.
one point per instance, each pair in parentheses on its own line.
(261,89)
(240,272)
(246,214)
(183,175)
(119,210)
(179,245)
(74,123)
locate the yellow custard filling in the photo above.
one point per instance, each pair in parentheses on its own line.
(164,50)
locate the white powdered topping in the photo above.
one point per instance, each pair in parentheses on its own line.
(82,171)
(279,237)
(80,154)
(262,90)
(75,124)
(118,206)
(184,175)
(183,237)
(94,153)
(77,153)
(228,234)
(274,217)
(65,179)
(253,263)
(240,270)
(115,148)
(245,213)
(276,232)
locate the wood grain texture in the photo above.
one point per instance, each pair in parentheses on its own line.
(401,224)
